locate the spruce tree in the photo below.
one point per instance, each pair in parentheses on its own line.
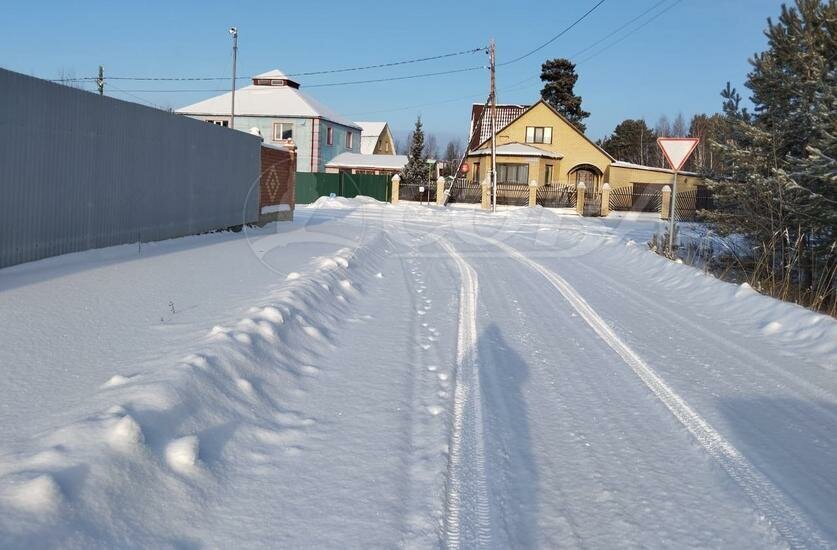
(416,172)
(560,77)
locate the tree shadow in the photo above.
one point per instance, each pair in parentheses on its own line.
(794,443)
(511,472)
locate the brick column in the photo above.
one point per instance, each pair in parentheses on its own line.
(605,199)
(440,191)
(665,207)
(579,198)
(533,193)
(396,184)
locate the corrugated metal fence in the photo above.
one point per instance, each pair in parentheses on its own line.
(80,171)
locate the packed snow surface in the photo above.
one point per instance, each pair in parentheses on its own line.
(410,376)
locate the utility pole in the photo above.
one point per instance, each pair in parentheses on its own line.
(234,33)
(492,111)
(100,81)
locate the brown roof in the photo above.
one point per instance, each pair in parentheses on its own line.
(481,124)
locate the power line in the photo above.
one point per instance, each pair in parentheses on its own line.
(328,84)
(648,21)
(308,73)
(556,37)
(616,30)
(389,79)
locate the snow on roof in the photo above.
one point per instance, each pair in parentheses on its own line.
(623,164)
(275,73)
(359,160)
(371,128)
(267,101)
(369,135)
(518,149)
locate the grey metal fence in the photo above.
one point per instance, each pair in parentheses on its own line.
(80,171)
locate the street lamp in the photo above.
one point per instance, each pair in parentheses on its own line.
(234,33)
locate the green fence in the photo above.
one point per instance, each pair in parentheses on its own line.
(312,185)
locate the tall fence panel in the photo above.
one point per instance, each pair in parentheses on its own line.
(80,171)
(312,185)
(369,185)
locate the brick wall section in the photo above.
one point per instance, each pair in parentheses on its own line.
(278,174)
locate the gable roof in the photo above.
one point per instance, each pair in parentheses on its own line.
(369,135)
(559,115)
(267,101)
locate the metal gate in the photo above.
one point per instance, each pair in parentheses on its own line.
(412,192)
(592,204)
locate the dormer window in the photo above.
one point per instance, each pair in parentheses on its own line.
(274,80)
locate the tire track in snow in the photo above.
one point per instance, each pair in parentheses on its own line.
(792,525)
(801,384)
(467,510)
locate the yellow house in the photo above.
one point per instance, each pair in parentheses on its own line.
(537,143)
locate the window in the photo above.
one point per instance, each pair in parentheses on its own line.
(349,140)
(538,134)
(283,131)
(476,171)
(547,177)
(224,123)
(330,136)
(513,173)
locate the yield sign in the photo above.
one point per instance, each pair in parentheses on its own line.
(677,150)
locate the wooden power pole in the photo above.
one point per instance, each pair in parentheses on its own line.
(492,112)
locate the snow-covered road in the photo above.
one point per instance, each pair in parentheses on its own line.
(379,376)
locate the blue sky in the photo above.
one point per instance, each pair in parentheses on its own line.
(676,63)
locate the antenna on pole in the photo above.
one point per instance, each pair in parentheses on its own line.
(100,80)
(492,111)
(234,33)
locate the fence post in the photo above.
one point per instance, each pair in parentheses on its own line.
(605,199)
(665,206)
(440,191)
(486,192)
(396,183)
(579,198)
(533,193)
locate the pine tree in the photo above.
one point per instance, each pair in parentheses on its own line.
(416,172)
(631,141)
(560,77)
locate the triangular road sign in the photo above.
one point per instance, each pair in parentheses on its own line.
(677,150)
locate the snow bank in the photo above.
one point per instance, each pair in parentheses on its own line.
(342,203)
(171,433)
